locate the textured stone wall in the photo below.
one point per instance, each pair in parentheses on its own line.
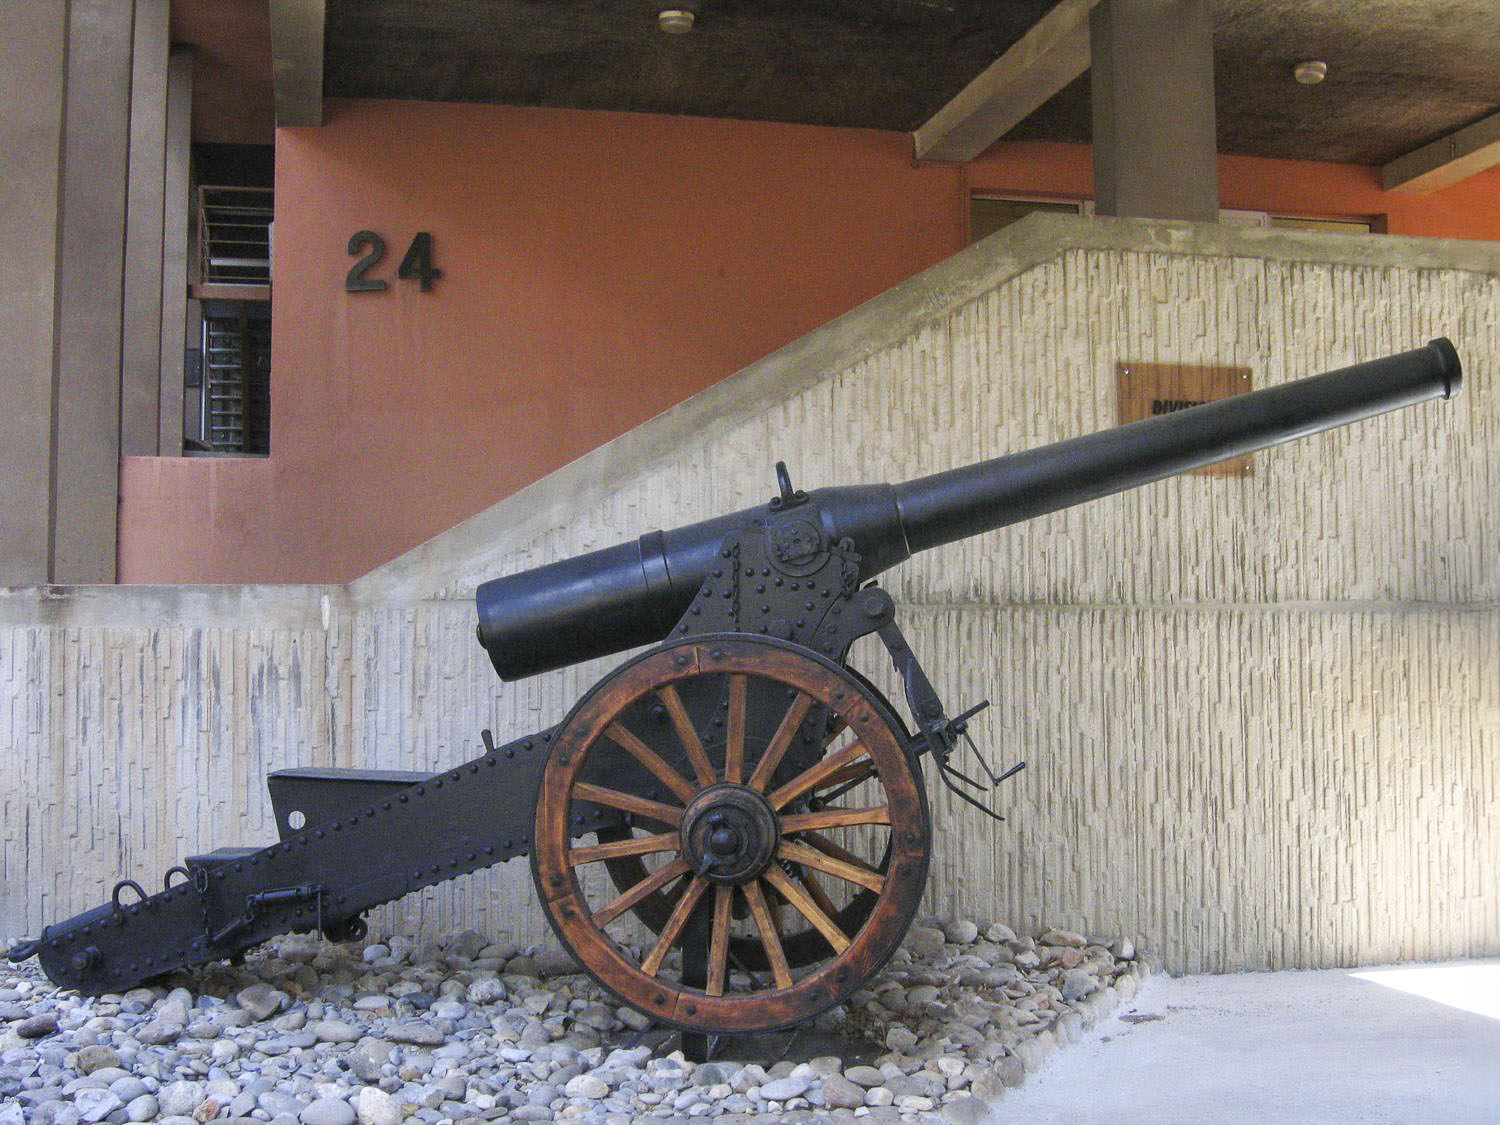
(1260,713)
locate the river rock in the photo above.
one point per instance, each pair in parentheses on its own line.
(588,1086)
(1078,983)
(37,1026)
(367,1059)
(129,1087)
(485,990)
(420,1034)
(900,1039)
(1063,937)
(178,1099)
(711,1074)
(598,1017)
(636,1021)
(261,1000)
(841,1093)
(335,1031)
(962,1019)
(782,1089)
(94,1104)
(962,932)
(157,1032)
(375,1107)
(327,1111)
(93,1058)
(298,948)
(466,944)
(555,963)
(925,942)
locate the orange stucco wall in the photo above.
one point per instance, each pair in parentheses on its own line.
(1468,209)
(597,269)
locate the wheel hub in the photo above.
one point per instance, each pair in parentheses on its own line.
(729,834)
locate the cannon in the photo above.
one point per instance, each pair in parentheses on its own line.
(730,830)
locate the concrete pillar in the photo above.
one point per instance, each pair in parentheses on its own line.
(140,349)
(33,62)
(1155,155)
(90,271)
(174,248)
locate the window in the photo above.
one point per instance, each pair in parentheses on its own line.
(227,384)
(1327,226)
(989,213)
(235,393)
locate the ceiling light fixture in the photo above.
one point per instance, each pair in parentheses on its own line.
(1310,73)
(675,21)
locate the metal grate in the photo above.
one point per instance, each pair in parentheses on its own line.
(236,376)
(234,235)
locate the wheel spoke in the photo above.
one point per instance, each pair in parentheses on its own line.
(642,845)
(838,851)
(718,946)
(811,857)
(819,895)
(780,741)
(734,747)
(819,771)
(807,908)
(687,735)
(679,785)
(652,964)
(774,953)
(649,885)
(628,802)
(854,772)
(835,818)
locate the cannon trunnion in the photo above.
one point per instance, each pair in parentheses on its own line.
(730,830)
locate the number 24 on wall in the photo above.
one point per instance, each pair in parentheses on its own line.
(417,263)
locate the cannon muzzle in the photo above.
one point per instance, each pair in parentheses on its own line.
(633,593)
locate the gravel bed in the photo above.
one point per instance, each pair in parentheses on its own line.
(308,1033)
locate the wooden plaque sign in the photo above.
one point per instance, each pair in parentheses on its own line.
(1149,389)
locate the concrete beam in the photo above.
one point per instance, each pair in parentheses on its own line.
(1446,160)
(1044,60)
(297,61)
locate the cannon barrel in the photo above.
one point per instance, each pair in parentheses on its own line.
(633,593)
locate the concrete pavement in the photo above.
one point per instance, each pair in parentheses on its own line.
(1400,1043)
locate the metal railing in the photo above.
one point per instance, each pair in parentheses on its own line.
(234,235)
(235,403)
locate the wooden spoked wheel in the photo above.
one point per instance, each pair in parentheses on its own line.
(801,942)
(724,806)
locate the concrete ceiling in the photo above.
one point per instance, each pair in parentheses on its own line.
(880,64)
(1401,72)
